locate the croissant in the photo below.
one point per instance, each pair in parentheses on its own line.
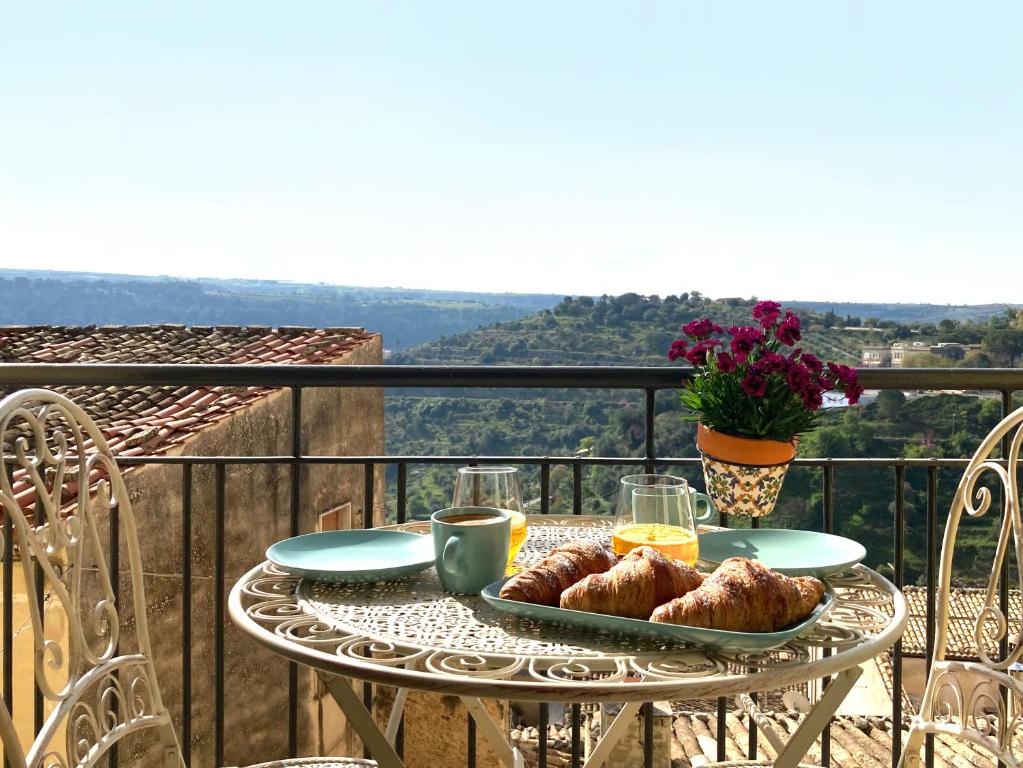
(744,596)
(563,566)
(641,581)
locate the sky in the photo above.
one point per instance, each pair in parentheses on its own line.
(842,151)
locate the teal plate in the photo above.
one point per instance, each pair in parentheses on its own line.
(794,553)
(716,639)
(353,557)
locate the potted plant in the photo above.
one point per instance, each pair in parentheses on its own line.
(753,393)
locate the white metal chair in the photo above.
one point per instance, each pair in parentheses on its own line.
(965,698)
(99,693)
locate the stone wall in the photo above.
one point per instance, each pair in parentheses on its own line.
(341,421)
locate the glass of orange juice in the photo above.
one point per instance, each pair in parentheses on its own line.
(657,511)
(496,487)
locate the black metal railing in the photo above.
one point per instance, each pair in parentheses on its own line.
(299,378)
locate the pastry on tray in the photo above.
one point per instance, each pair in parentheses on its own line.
(642,580)
(563,566)
(744,596)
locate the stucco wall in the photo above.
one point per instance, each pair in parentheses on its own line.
(343,421)
(23,665)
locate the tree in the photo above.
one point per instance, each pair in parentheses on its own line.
(925,360)
(1004,345)
(977,360)
(890,402)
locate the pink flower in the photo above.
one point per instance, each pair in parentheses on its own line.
(700,329)
(847,381)
(843,373)
(726,363)
(853,392)
(766,313)
(772,362)
(812,362)
(678,349)
(745,339)
(812,397)
(798,377)
(697,355)
(754,385)
(788,332)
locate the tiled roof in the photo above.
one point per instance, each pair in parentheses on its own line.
(152,420)
(856,742)
(965,605)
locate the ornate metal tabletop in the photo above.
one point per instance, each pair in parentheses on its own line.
(411,634)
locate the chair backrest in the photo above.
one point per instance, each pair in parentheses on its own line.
(980,701)
(62,490)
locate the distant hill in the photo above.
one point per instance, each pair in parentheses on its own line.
(906,313)
(406,317)
(617,330)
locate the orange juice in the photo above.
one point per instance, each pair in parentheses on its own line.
(518,534)
(670,540)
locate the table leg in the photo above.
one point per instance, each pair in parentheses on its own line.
(362,721)
(397,710)
(749,707)
(817,719)
(506,753)
(613,735)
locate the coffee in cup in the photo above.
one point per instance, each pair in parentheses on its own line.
(471,546)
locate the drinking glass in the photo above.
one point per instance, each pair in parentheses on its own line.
(657,511)
(496,487)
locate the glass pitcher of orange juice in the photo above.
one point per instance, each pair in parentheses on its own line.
(494,487)
(658,511)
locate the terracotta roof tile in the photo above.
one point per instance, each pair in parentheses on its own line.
(856,742)
(158,418)
(965,605)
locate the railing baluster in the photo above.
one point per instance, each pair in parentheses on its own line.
(186,615)
(545,488)
(828,512)
(367,522)
(1003,582)
(577,752)
(218,617)
(722,728)
(541,736)
(294,526)
(115,584)
(577,488)
(648,735)
(37,692)
(401,509)
(8,611)
(650,451)
(900,525)
(751,746)
(752,730)
(932,559)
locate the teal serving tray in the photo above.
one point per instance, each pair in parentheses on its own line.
(794,553)
(715,639)
(353,557)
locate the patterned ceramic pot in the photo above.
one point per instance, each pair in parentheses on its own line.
(743,475)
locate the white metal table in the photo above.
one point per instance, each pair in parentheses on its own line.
(411,635)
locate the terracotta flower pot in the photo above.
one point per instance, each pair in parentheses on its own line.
(743,474)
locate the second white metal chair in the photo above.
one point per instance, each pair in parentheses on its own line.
(980,701)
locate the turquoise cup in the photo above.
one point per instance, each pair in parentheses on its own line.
(471,547)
